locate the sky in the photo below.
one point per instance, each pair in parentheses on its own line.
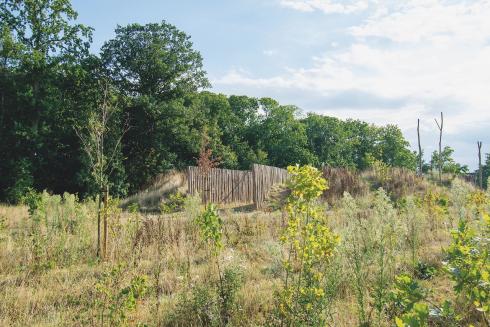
(385,62)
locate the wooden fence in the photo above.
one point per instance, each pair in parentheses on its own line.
(221,185)
(234,186)
(264,178)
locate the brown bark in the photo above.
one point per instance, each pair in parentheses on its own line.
(106,202)
(480,170)
(420,147)
(440,126)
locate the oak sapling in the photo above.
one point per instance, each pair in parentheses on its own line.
(311,245)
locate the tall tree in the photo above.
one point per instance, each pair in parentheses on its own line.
(284,136)
(40,44)
(155,60)
(330,140)
(44,29)
(393,148)
(155,67)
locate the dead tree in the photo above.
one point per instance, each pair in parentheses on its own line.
(440,125)
(206,161)
(480,170)
(420,147)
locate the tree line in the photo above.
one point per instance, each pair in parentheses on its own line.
(158,113)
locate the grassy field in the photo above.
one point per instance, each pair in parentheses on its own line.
(158,270)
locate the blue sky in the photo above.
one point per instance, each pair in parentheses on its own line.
(376,60)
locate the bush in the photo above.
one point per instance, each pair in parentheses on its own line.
(200,306)
(113,300)
(408,302)
(303,298)
(174,203)
(56,233)
(468,264)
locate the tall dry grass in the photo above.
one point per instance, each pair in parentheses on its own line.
(49,275)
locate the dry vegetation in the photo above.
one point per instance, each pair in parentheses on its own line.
(159,272)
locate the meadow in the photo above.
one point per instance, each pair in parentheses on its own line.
(418,258)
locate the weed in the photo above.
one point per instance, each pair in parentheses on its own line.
(114,301)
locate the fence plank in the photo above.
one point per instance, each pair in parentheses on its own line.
(234,186)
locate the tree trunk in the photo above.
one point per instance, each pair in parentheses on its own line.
(480,170)
(106,202)
(420,147)
(440,126)
(98,225)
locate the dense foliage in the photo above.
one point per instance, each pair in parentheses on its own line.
(154,81)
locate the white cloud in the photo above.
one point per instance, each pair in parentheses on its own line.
(326,6)
(429,20)
(433,53)
(441,52)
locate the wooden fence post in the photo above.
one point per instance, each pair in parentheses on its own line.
(254,186)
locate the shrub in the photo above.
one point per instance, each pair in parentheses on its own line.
(372,244)
(200,305)
(210,226)
(468,264)
(112,300)
(229,281)
(311,244)
(407,300)
(56,233)
(174,203)
(406,293)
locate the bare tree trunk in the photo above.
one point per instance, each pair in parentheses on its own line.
(480,170)
(440,126)
(98,226)
(106,202)
(420,147)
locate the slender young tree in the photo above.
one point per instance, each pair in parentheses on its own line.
(480,170)
(101,154)
(440,125)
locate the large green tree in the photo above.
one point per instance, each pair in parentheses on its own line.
(330,140)
(283,136)
(393,148)
(153,60)
(156,70)
(40,47)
